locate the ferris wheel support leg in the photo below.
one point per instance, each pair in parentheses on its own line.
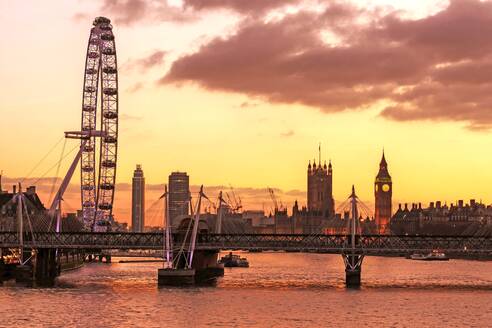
(55,208)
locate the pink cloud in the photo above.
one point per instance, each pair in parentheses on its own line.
(156,58)
(131,12)
(433,68)
(246,7)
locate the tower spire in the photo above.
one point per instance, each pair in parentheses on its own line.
(319,156)
(383,160)
(383,194)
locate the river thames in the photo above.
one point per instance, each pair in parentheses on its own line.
(278,290)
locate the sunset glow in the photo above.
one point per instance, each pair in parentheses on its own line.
(242,93)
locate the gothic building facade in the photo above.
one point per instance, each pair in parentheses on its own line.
(320,190)
(383,191)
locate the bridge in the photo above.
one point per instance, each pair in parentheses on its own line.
(371,245)
(353,248)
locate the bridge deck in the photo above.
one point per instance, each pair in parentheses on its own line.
(368,244)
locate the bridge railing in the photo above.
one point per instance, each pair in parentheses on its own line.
(296,242)
(368,244)
(83,240)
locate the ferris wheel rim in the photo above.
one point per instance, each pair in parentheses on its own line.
(100,78)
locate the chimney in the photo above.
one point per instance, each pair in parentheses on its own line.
(14,188)
(431,204)
(31,190)
(460,203)
(472,202)
(406,206)
(438,204)
(399,207)
(420,206)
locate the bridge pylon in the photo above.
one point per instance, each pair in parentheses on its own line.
(352,258)
(185,265)
(353,268)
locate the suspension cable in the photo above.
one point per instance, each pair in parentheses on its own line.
(153,211)
(56,164)
(41,160)
(55,178)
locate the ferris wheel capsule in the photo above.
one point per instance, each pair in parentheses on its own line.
(107,36)
(108,51)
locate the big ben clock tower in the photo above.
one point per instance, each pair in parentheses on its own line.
(383,190)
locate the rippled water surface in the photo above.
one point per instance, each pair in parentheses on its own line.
(278,290)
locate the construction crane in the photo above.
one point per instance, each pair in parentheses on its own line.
(274,200)
(220,213)
(233,202)
(237,200)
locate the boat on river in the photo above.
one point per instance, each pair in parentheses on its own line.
(231,261)
(435,255)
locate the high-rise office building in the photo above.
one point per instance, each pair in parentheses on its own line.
(138,200)
(179,195)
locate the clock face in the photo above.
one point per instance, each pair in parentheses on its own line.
(386,187)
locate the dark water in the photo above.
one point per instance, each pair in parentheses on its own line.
(278,290)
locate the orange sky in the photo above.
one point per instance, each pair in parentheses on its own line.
(241,93)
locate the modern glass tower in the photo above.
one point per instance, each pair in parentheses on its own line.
(179,195)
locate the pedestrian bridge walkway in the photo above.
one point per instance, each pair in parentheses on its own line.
(336,244)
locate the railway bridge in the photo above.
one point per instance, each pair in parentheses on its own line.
(353,248)
(375,245)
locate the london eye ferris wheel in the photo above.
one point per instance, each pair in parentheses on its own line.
(100,78)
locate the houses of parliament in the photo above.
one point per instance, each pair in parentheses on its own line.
(320,210)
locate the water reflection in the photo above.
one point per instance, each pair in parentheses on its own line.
(278,290)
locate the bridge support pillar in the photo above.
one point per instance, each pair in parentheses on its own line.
(353,267)
(46,267)
(204,269)
(23,275)
(206,265)
(2,269)
(24,272)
